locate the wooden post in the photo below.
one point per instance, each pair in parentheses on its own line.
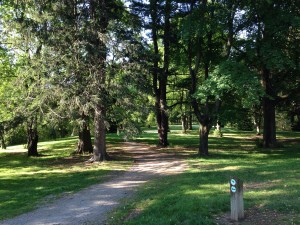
(236,201)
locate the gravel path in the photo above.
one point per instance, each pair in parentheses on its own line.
(90,206)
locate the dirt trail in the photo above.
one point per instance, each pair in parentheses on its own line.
(90,206)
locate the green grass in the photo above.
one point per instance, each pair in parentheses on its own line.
(271,181)
(27,182)
(271,178)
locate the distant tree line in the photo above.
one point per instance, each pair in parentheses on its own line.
(108,64)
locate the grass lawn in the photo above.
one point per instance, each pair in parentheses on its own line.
(198,196)
(27,182)
(201,194)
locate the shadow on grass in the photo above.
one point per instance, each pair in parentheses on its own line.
(190,198)
(196,196)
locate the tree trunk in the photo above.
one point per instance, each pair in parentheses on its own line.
(269,136)
(230,24)
(218,126)
(201,112)
(258,120)
(32,142)
(155,71)
(163,139)
(84,142)
(190,125)
(2,141)
(32,137)
(99,14)
(257,129)
(159,76)
(158,115)
(204,131)
(163,135)
(204,120)
(100,153)
(184,123)
(73,131)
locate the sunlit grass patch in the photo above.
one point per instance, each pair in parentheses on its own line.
(26,182)
(199,195)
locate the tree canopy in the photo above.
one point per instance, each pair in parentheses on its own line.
(68,63)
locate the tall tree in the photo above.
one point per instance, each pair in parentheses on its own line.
(6,77)
(271,28)
(203,45)
(159,25)
(23,32)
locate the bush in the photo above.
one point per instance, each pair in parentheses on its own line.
(151,120)
(245,124)
(259,143)
(218,133)
(16,136)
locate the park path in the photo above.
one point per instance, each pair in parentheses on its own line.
(91,205)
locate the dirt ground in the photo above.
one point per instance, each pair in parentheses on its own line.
(90,206)
(258,216)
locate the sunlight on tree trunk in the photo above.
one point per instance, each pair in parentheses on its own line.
(204,131)
(2,141)
(100,153)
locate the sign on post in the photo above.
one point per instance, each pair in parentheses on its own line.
(236,201)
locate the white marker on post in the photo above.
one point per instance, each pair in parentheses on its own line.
(236,201)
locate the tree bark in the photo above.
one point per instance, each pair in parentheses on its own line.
(204,120)
(258,119)
(269,135)
(201,112)
(155,69)
(32,137)
(99,12)
(269,102)
(163,135)
(160,76)
(218,126)
(2,141)
(184,123)
(230,21)
(204,131)
(190,125)
(164,78)
(100,153)
(84,142)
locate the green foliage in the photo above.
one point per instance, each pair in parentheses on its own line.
(16,136)
(234,77)
(58,51)
(218,133)
(54,49)
(283,121)
(245,124)
(7,73)
(151,121)
(54,130)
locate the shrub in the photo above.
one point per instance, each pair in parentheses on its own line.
(218,133)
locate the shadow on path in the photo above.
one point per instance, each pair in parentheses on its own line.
(90,206)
